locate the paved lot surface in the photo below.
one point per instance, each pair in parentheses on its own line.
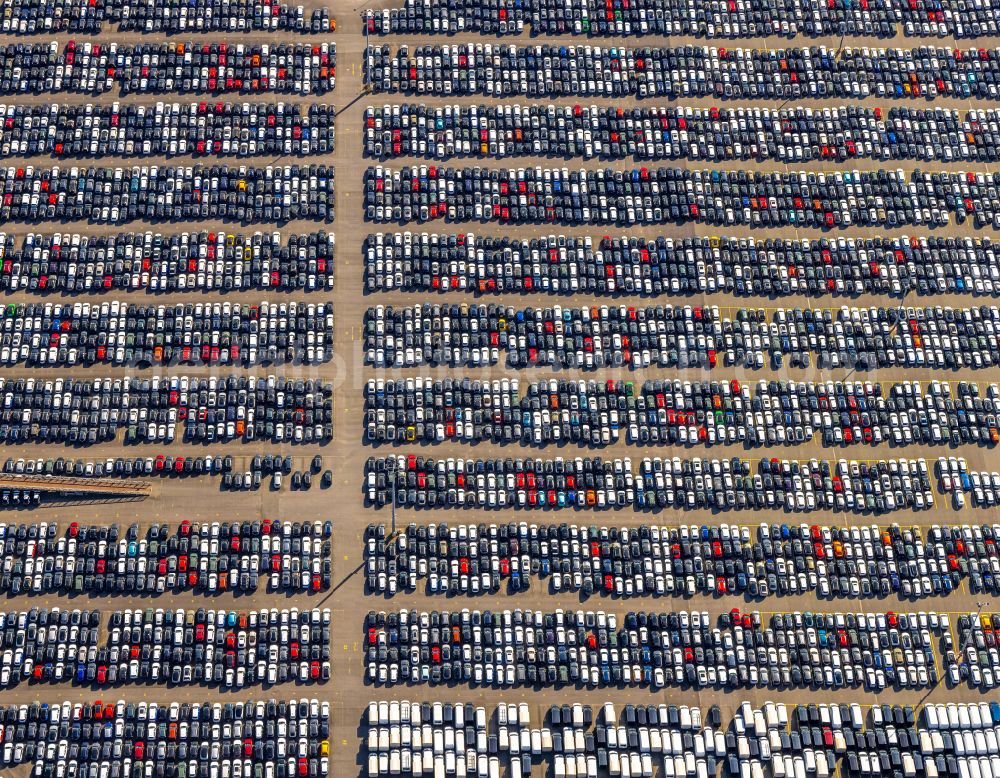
(199,499)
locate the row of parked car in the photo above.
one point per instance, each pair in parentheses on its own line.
(766,560)
(977,655)
(40,644)
(824,200)
(732,19)
(771,267)
(176,67)
(20,498)
(161,465)
(83,333)
(595,649)
(681,336)
(955,478)
(279,738)
(675,741)
(797,134)
(204,646)
(675,412)
(71,263)
(870,486)
(206,558)
(248,194)
(224,648)
(178,16)
(166,130)
(84,411)
(171,16)
(792,73)
(121,467)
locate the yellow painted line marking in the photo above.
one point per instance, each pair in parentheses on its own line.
(937,656)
